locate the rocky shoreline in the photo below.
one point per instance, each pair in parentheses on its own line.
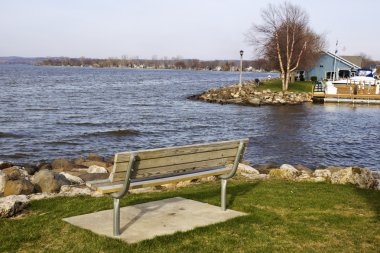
(249,95)
(21,184)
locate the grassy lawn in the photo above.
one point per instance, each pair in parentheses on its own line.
(283,216)
(276,85)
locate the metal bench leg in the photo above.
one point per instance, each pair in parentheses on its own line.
(223,193)
(116,217)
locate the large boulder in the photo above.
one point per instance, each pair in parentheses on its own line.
(96,169)
(18,187)
(3,180)
(61,165)
(12,173)
(361,177)
(286,171)
(11,205)
(45,181)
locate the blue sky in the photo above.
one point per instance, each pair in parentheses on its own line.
(203,29)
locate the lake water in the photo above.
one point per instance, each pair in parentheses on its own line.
(51,112)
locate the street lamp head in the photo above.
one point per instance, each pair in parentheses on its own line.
(241,52)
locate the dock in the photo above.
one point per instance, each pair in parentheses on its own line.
(345,94)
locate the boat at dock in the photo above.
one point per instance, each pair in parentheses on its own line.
(361,76)
(353,91)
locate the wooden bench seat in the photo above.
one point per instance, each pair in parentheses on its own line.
(106,186)
(145,168)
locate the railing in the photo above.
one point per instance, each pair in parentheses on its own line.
(318,87)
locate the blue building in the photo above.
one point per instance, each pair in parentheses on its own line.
(324,68)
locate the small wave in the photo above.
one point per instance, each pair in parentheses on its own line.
(89,124)
(14,156)
(9,135)
(63,143)
(115,133)
(42,109)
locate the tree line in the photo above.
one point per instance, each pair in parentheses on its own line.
(174,63)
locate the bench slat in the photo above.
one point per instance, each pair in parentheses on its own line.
(117,186)
(178,159)
(182,150)
(141,173)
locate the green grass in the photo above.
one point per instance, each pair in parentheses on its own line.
(283,217)
(276,85)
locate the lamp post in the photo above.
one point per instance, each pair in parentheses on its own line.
(241,70)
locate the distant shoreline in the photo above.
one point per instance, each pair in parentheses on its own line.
(173,63)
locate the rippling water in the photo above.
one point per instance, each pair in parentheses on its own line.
(50,112)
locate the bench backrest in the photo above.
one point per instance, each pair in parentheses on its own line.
(175,160)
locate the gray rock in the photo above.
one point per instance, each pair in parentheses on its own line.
(3,180)
(303,168)
(376,184)
(318,179)
(18,187)
(96,169)
(266,167)
(305,176)
(322,173)
(334,168)
(4,165)
(44,195)
(255,176)
(92,160)
(254,101)
(376,174)
(44,166)
(30,169)
(61,165)
(69,190)
(286,171)
(11,205)
(93,176)
(95,157)
(12,173)
(45,181)
(243,168)
(72,179)
(361,177)
(62,180)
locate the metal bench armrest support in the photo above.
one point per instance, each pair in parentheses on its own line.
(224,178)
(120,194)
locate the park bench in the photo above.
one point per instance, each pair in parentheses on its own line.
(146,168)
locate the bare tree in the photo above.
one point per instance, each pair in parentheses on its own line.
(285,39)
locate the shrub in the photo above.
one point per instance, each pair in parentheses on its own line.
(257,82)
(302,78)
(313,78)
